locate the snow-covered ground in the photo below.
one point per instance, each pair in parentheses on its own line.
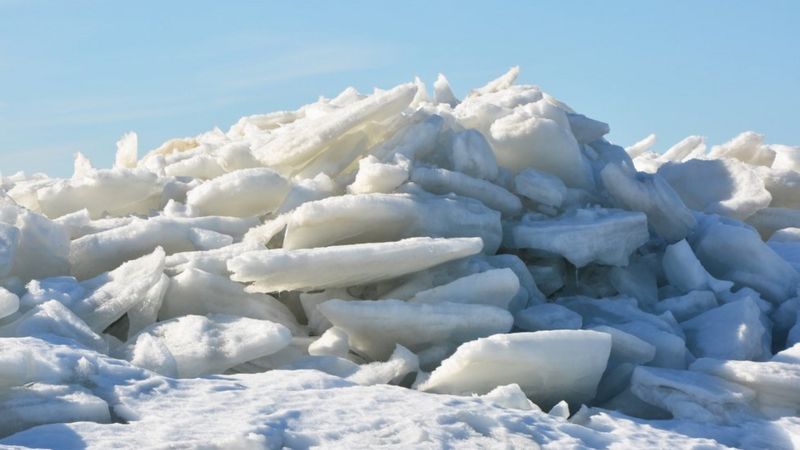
(408,270)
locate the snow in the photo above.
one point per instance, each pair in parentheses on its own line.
(406,269)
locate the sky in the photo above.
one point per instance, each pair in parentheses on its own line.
(76,75)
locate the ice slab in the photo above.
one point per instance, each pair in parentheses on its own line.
(374,327)
(345,265)
(388,217)
(243,193)
(605,236)
(198,345)
(720,186)
(549,366)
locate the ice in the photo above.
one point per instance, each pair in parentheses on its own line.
(731,331)
(769,220)
(687,306)
(376,177)
(345,265)
(9,303)
(202,345)
(195,291)
(55,319)
(747,147)
(547,316)
(692,395)
(685,272)
(112,294)
(99,252)
(295,281)
(686,149)
(775,383)
(622,313)
(442,181)
(374,327)
(117,192)
(666,214)
(719,186)
(309,136)
(32,245)
(472,155)
(243,193)
(538,136)
(389,217)
(442,92)
(586,129)
(786,243)
(735,252)
(604,236)
(540,187)
(549,366)
(495,287)
(37,404)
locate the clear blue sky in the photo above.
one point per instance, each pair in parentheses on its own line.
(75,75)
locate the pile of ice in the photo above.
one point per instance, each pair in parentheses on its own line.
(514,275)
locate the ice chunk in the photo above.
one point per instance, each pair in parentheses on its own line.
(442,181)
(642,146)
(442,92)
(625,347)
(687,306)
(623,314)
(127,149)
(586,129)
(746,147)
(9,303)
(309,137)
(512,396)
(99,252)
(32,245)
(730,331)
(769,220)
(374,327)
(36,404)
(495,287)
(605,236)
(736,252)
(720,186)
(777,384)
(689,148)
(693,396)
(684,271)
(786,243)
(540,187)
(208,344)
(112,294)
(547,316)
(195,291)
(401,363)
(345,265)
(243,193)
(527,138)
(666,213)
(333,342)
(549,366)
(117,192)
(212,261)
(388,217)
(54,319)
(374,176)
(472,155)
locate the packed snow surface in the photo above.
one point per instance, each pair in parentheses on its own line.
(406,269)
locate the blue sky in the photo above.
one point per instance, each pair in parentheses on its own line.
(75,75)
